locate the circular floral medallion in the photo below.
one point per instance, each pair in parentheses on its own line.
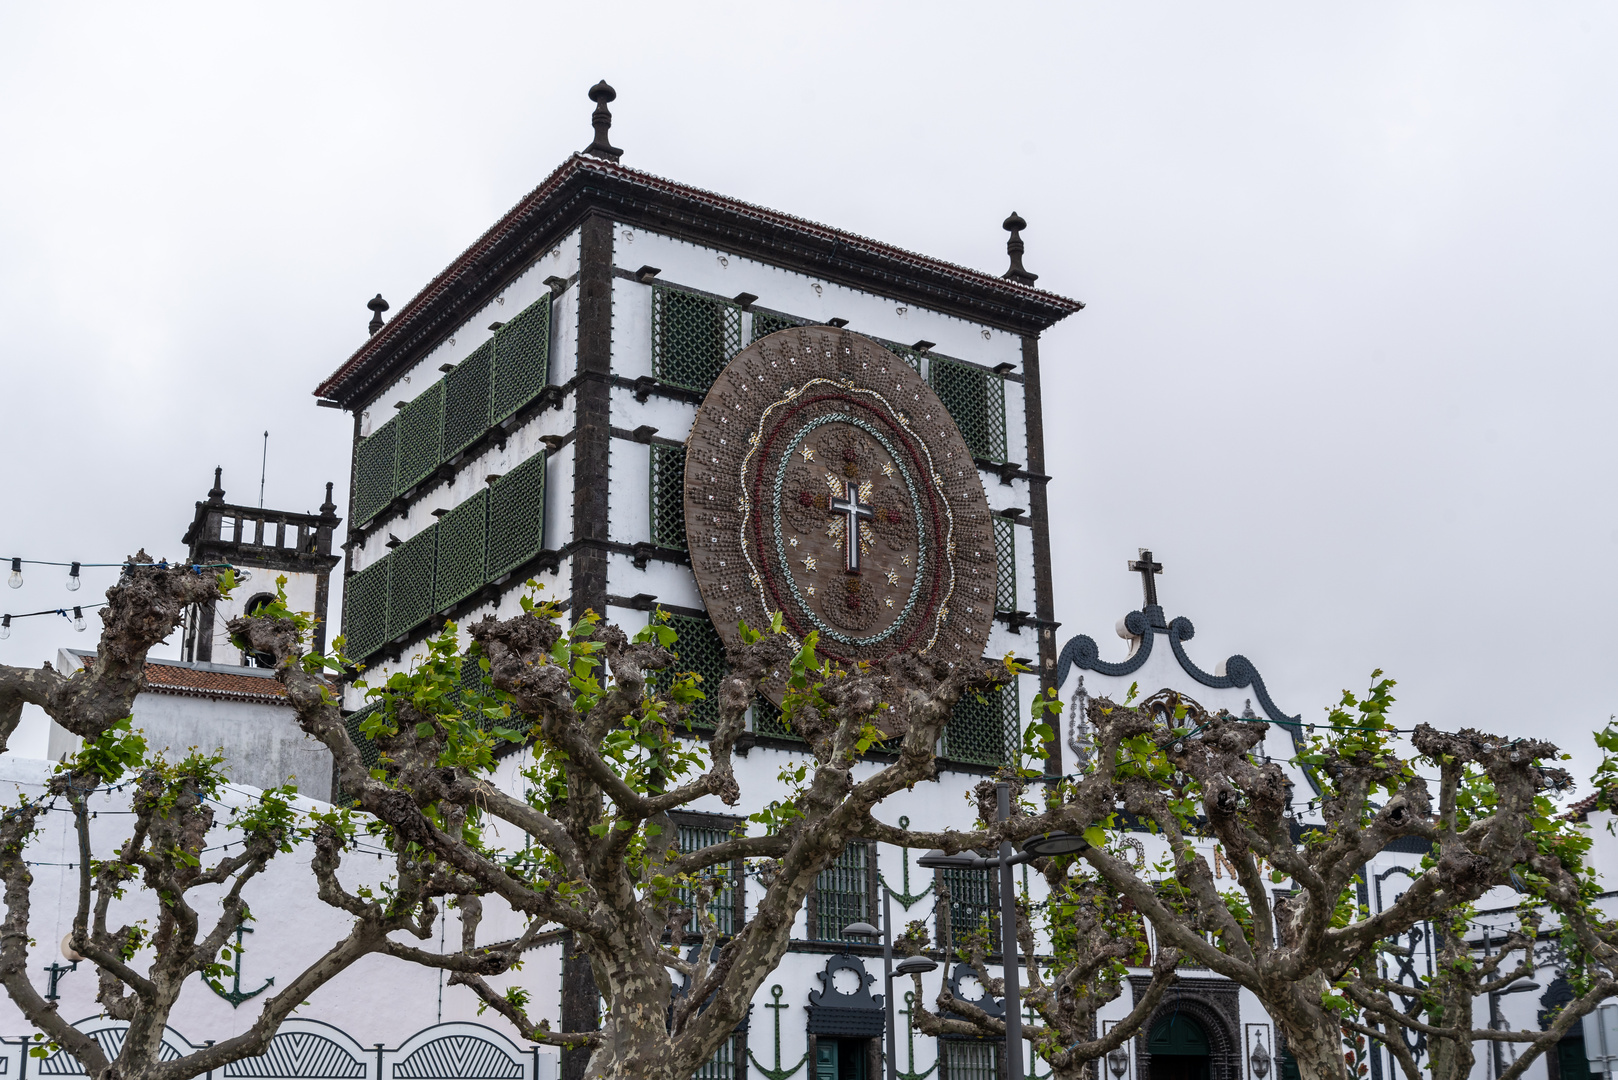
(825,480)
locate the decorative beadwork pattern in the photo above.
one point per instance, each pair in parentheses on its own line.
(668,496)
(824,479)
(693,337)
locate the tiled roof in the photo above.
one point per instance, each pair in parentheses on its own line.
(207,680)
(1050,304)
(1580,809)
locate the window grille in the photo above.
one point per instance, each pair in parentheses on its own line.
(722,1066)
(374,471)
(984,729)
(971,900)
(695,837)
(522,350)
(421,437)
(516,517)
(977,400)
(1005,564)
(466,400)
(693,337)
(843,893)
(365,610)
(410,582)
(766,323)
(769,720)
(964,1060)
(668,496)
(697,648)
(462,551)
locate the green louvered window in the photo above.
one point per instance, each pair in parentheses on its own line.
(463,543)
(421,437)
(843,892)
(365,610)
(1005,564)
(984,729)
(694,835)
(693,337)
(466,400)
(522,350)
(374,471)
(977,400)
(697,648)
(516,517)
(668,496)
(766,323)
(410,582)
(972,902)
(965,1059)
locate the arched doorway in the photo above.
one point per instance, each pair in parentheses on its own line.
(1179,1049)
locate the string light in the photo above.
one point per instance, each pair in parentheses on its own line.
(73,581)
(78,619)
(15,580)
(5,627)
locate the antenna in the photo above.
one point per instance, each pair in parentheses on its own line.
(262,466)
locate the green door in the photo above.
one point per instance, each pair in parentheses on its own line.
(826,1059)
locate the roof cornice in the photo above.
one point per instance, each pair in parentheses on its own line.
(583,185)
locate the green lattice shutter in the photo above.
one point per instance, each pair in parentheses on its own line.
(693,337)
(697,648)
(370,753)
(365,610)
(984,729)
(466,400)
(462,552)
(374,471)
(522,350)
(768,719)
(977,400)
(1005,564)
(668,496)
(410,582)
(516,517)
(905,353)
(421,437)
(766,323)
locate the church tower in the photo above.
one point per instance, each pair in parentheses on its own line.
(266,544)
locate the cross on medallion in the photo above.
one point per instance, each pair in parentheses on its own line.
(57,971)
(855,512)
(1146,568)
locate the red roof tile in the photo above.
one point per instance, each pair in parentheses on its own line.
(207,681)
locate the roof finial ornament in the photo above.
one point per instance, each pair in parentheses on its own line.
(1147,569)
(377,306)
(328,508)
(1014,247)
(216,494)
(601,93)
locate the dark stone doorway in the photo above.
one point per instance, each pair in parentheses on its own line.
(1179,1049)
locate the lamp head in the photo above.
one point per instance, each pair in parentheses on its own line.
(861,930)
(937,860)
(915,965)
(1054,843)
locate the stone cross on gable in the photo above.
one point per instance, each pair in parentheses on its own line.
(1146,568)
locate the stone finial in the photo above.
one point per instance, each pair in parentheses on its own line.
(328,508)
(1014,247)
(377,306)
(216,494)
(601,147)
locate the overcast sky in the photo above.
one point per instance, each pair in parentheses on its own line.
(1347,366)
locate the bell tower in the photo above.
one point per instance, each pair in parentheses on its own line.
(265,544)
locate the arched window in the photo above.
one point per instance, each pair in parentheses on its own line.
(253,606)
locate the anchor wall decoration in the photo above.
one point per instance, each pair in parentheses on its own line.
(236,995)
(905,897)
(778,1073)
(910,1037)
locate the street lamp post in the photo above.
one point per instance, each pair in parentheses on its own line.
(913,965)
(1498,1021)
(1050,843)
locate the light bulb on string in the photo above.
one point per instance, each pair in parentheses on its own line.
(5,626)
(15,580)
(78,619)
(73,581)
